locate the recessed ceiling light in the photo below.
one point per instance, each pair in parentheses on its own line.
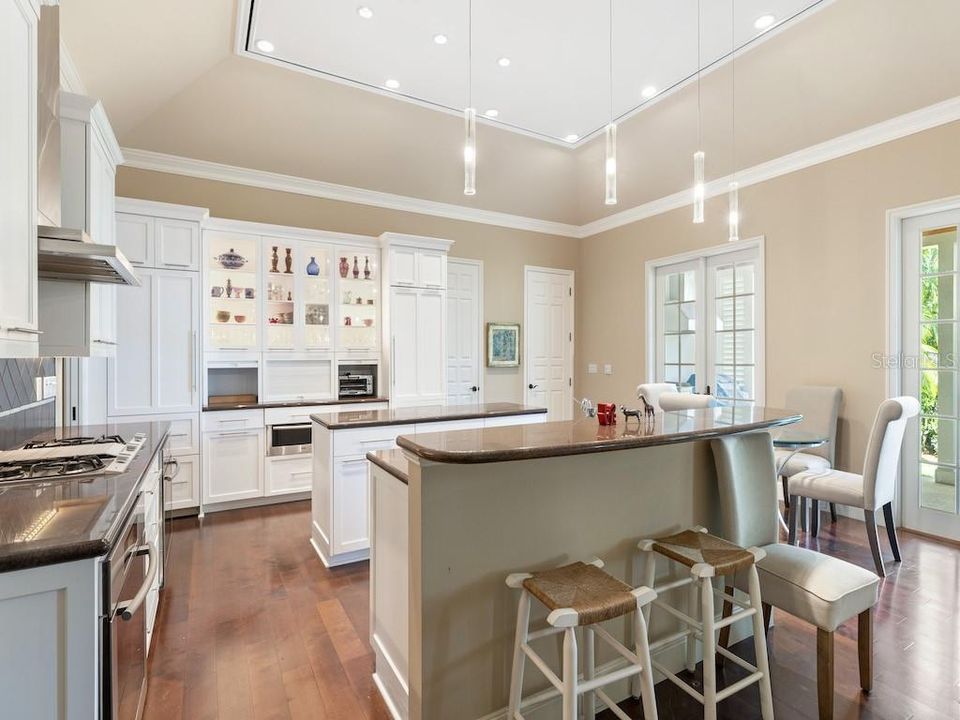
(571,138)
(364,12)
(265,46)
(491,113)
(503,62)
(764,21)
(392,84)
(648,92)
(440,39)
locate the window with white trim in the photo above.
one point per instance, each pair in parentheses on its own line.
(706,333)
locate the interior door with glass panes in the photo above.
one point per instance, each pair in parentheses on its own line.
(680,352)
(734,319)
(928,368)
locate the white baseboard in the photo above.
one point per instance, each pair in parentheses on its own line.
(390,681)
(253,502)
(331,560)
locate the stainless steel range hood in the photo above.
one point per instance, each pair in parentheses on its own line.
(64,253)
(69,255)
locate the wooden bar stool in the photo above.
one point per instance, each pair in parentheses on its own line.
(581,595)
(706,557)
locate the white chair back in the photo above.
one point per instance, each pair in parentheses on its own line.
(651,392)
(686,401)
(748,497)
(820,407)
(883,450)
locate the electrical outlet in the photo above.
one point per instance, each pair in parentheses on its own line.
(592,369)
(608,369)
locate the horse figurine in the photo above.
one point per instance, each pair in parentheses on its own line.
(628,413)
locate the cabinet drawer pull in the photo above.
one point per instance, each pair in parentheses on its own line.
(25,331)
(238,433)
(105,342)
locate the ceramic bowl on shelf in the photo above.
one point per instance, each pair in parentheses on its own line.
(368,322)
(223,315)
(240,318)
(231,260)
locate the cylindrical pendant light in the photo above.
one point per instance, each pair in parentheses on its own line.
(733,195)
(470,117)
(699,189)
(470,152)
(610,165)
(610,157)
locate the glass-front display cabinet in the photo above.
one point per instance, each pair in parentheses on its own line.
(358,288)
(296,295)
(232,291)
(280,295)
(317,299)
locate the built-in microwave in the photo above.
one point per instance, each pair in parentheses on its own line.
(289,439)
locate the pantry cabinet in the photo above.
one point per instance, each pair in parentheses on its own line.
(19,318)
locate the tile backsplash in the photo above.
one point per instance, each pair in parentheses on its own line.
(27,399)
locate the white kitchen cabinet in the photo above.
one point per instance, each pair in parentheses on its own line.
(156,367)
(152,520)
(351,498)
(288,475)
(232,465)
(76,320)
(403,346)
(416,261)
(159,240)
(183,486)
(19,318)
(417,347)
(431,347)
(298,378)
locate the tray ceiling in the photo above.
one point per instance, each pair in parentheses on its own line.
(541,66)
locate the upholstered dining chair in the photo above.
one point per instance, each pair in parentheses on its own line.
(651,392)
(820,407)
(685,401)
(822,590)
(871,491)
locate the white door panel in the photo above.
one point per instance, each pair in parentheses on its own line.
(130,372)
(430,360)
(403,334)
(175,318)
(464,332)
(548,341)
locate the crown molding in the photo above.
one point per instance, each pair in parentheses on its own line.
(160,162)
(69,76)
(883,132)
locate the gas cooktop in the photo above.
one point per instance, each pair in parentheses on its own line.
(69,457)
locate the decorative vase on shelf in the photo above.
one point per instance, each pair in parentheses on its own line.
(366,267)
(229,288)
(344,267)
(288,262)
(314,269)
(274,259)
(356,268)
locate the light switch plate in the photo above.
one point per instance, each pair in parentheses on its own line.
(592,368)
(608,369)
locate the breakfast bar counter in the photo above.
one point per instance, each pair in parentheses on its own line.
(461,510)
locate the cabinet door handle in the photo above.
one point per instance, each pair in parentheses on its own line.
(105,342)
(25,331)
(193,363)
(238,433)
(127,610)
(173,264)
(393,361)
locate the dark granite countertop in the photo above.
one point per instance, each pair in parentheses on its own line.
(78,518)
(393,461)
(586,435)
(291,404)
(433,413)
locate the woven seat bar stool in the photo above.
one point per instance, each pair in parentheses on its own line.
(581,595)
(707,557)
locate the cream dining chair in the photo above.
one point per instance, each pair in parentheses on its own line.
(820,407)
(871,491)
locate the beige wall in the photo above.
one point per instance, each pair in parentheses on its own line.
(825,230)
(504,252)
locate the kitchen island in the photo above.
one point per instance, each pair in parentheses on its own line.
(340,528)
(454,513)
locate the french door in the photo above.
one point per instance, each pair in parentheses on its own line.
(928,367)
(708,324)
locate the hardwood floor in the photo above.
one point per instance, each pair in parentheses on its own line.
(253,626)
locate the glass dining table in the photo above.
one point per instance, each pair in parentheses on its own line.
(794,440)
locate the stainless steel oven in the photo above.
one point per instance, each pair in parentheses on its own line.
(128,572)
(358,380)
(289,439)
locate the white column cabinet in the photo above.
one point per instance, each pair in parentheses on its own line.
(18,181)
(232,465)
(415,286)
(156,368)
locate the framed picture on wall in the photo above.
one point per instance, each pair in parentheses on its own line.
(503,344)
